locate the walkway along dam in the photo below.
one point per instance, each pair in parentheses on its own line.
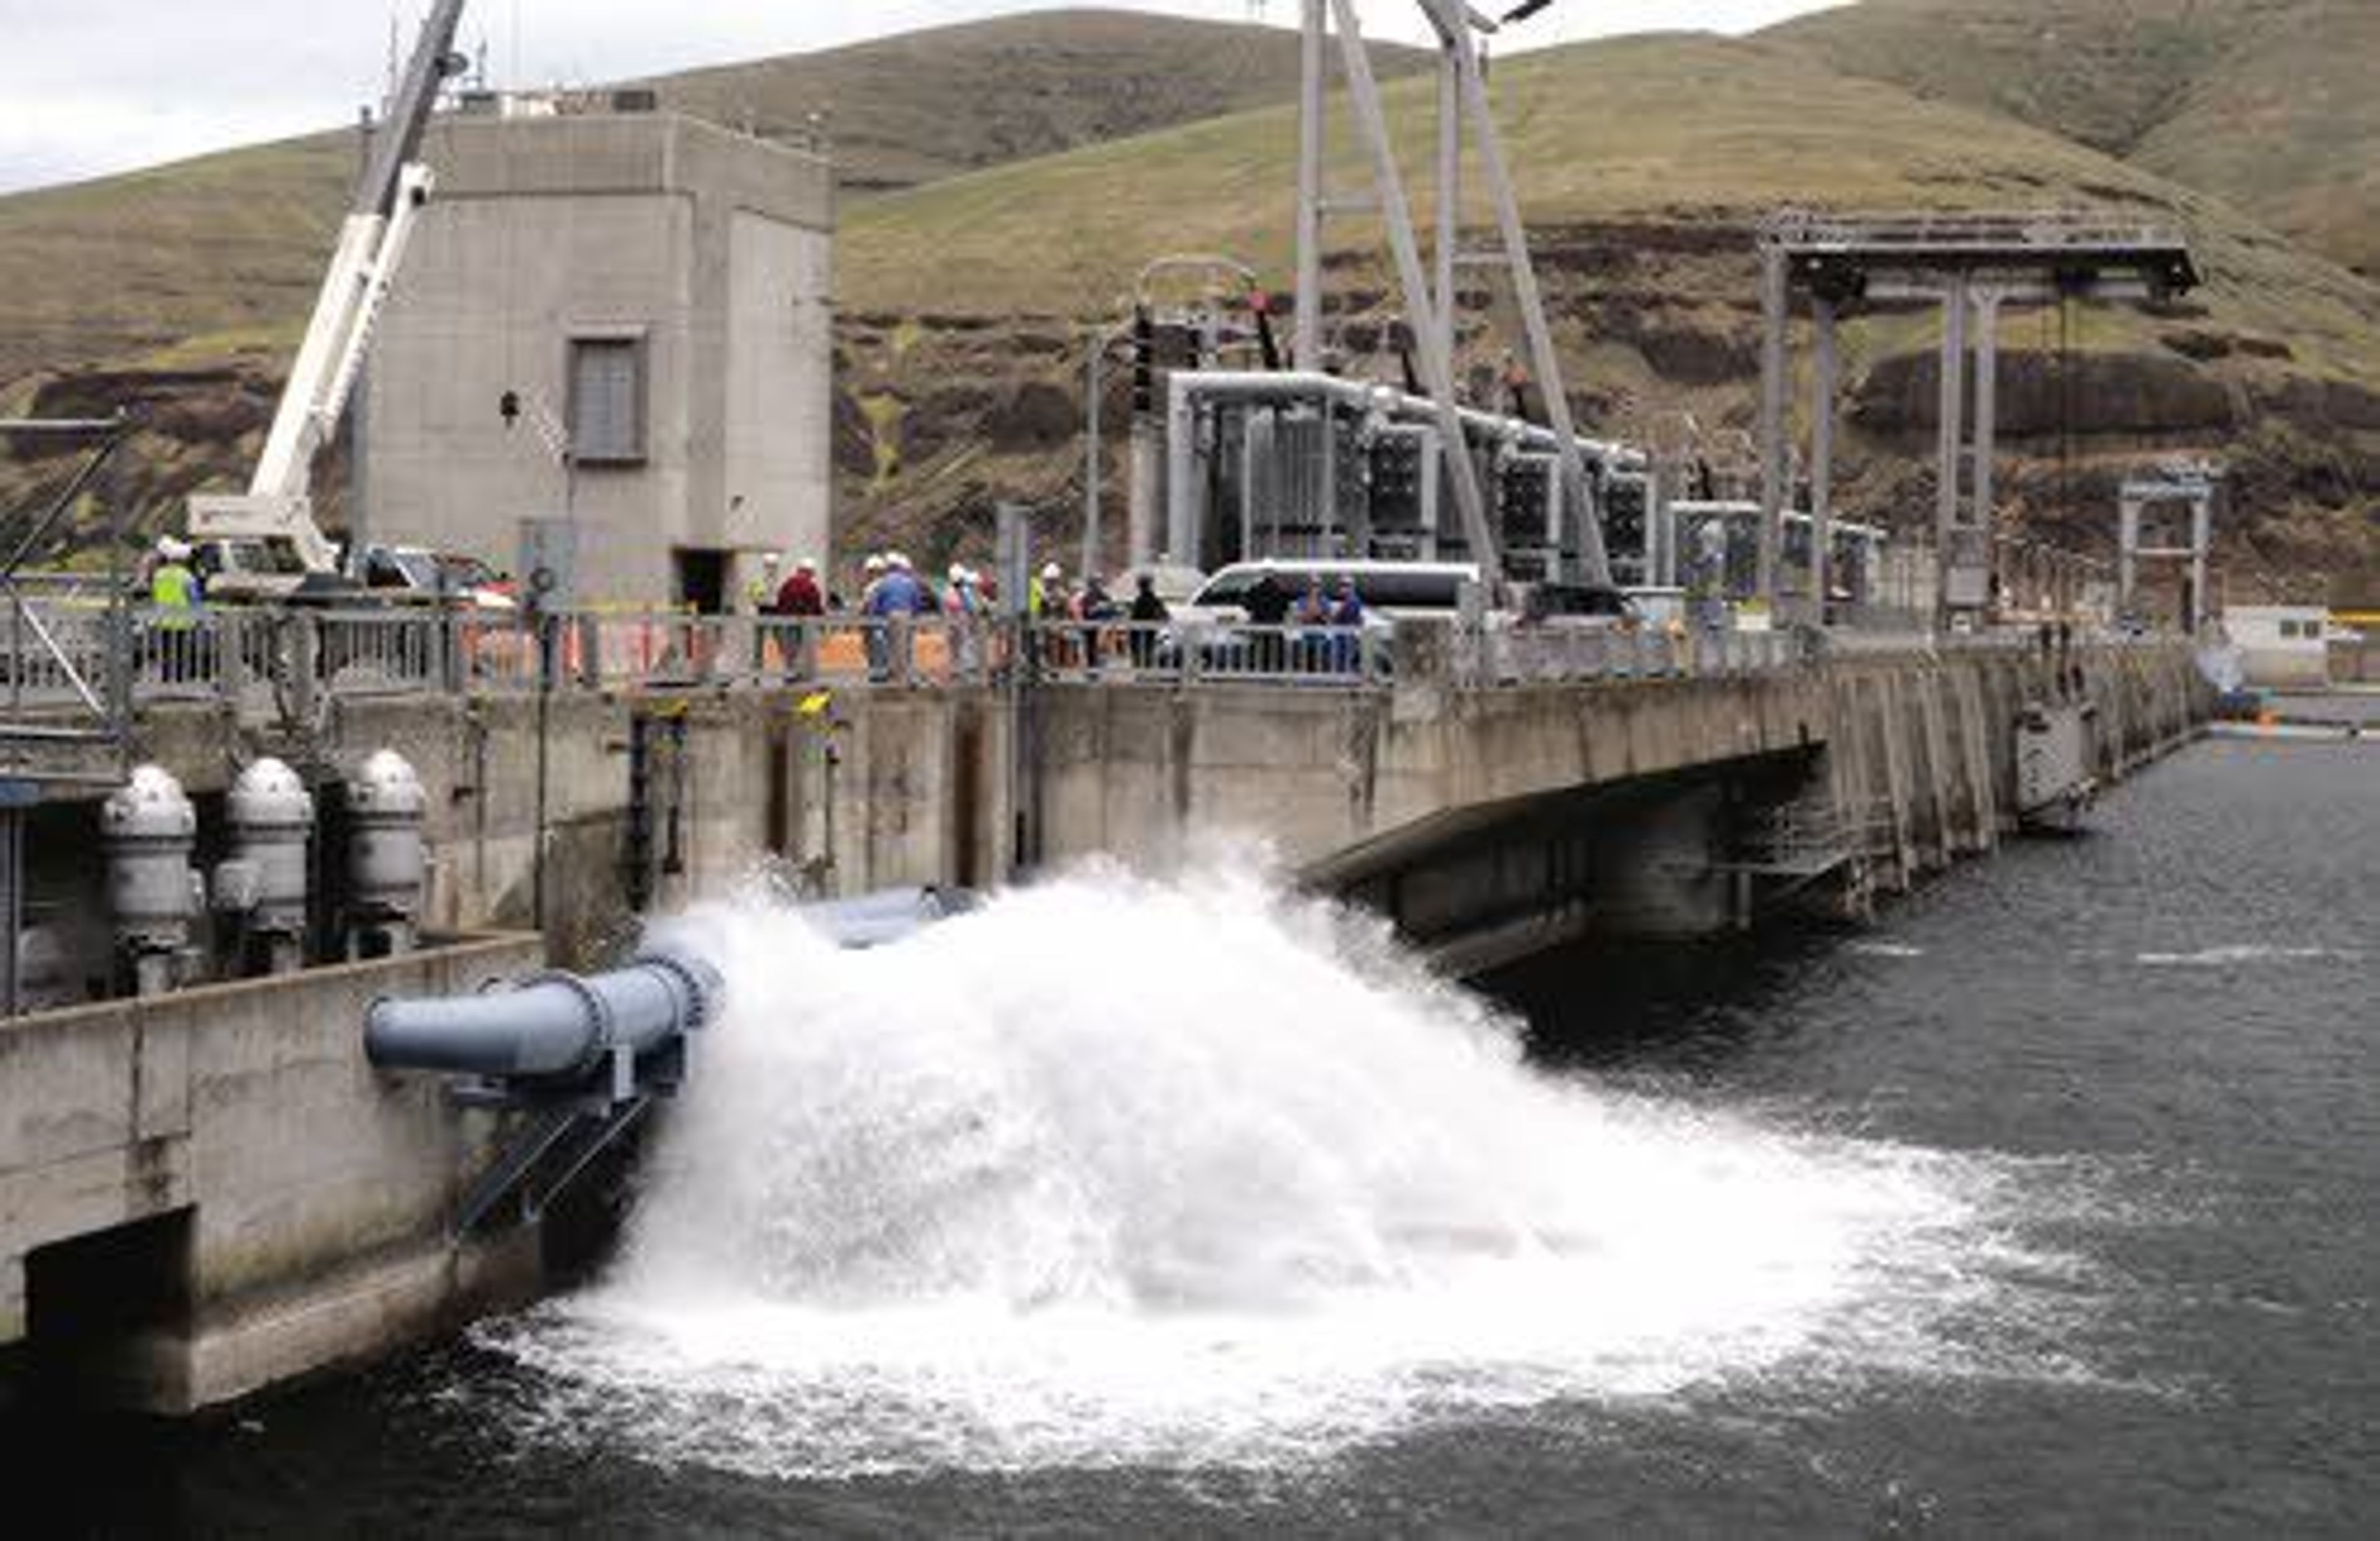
(222,1163)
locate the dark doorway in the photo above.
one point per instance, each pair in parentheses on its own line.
(96,1304)
(702,580)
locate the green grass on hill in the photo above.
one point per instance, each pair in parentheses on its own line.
(924,105)
(1656,127)
(117,269)
(111,270)
(2267,104)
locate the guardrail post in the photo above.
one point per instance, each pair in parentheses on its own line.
(590,631)
(305,662)
(231,656)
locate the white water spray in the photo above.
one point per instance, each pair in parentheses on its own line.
(1115,1171)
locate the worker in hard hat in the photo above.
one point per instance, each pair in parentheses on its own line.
(760,590)
(173,584)
(799,596)
(1044,601)
(962,607)
(795,609)
(1046,598)
(175,597)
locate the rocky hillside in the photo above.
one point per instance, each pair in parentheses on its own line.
(1643,163)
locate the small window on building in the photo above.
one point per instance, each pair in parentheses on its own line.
(607,400)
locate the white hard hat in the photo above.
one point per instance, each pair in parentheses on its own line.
(897,559)
(1053,570)
(958,571)
(768,559)
(874,564)
(806,564)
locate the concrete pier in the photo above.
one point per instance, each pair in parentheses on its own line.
(206,1193)
(651,799)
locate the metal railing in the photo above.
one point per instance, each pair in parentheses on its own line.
(233,653)
(1552,654)
(1191,653)
(2050,229)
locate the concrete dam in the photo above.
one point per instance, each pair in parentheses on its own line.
(260,1199)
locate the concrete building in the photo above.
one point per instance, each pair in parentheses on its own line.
(2282,647)
(656,289)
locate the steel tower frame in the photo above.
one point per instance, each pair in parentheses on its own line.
(1430,306)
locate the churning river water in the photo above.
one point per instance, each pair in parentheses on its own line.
(2049,1204)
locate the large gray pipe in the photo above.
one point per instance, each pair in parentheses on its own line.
(561,1025)
(555,1026)
(874,919)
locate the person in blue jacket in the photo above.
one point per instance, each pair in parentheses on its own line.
(898,592)
(1347,621)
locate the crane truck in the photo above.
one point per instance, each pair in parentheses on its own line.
(264,541)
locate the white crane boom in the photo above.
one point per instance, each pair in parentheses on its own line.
(274,518)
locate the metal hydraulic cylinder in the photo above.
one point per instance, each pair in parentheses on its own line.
(386,857)
(148,830)
(272,818)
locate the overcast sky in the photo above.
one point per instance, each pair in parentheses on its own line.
(88,87)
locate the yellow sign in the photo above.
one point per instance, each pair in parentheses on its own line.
(814,704)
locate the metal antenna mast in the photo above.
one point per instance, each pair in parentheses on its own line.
(1430,308)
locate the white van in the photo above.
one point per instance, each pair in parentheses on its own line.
(1387,589)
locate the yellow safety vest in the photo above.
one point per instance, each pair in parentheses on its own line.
(173,588)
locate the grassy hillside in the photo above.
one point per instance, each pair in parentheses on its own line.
(228,248)
(194,257)
(2267,104)
(930,105)
(1665,128)
(1644,166)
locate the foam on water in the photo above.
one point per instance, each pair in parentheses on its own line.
(1120,1171)
(2241,954)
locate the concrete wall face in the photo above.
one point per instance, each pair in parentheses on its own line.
(779,323)
(896,787)
(318,1191)
(711,251)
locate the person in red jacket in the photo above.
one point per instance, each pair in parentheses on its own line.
(800,594)
(798,599)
